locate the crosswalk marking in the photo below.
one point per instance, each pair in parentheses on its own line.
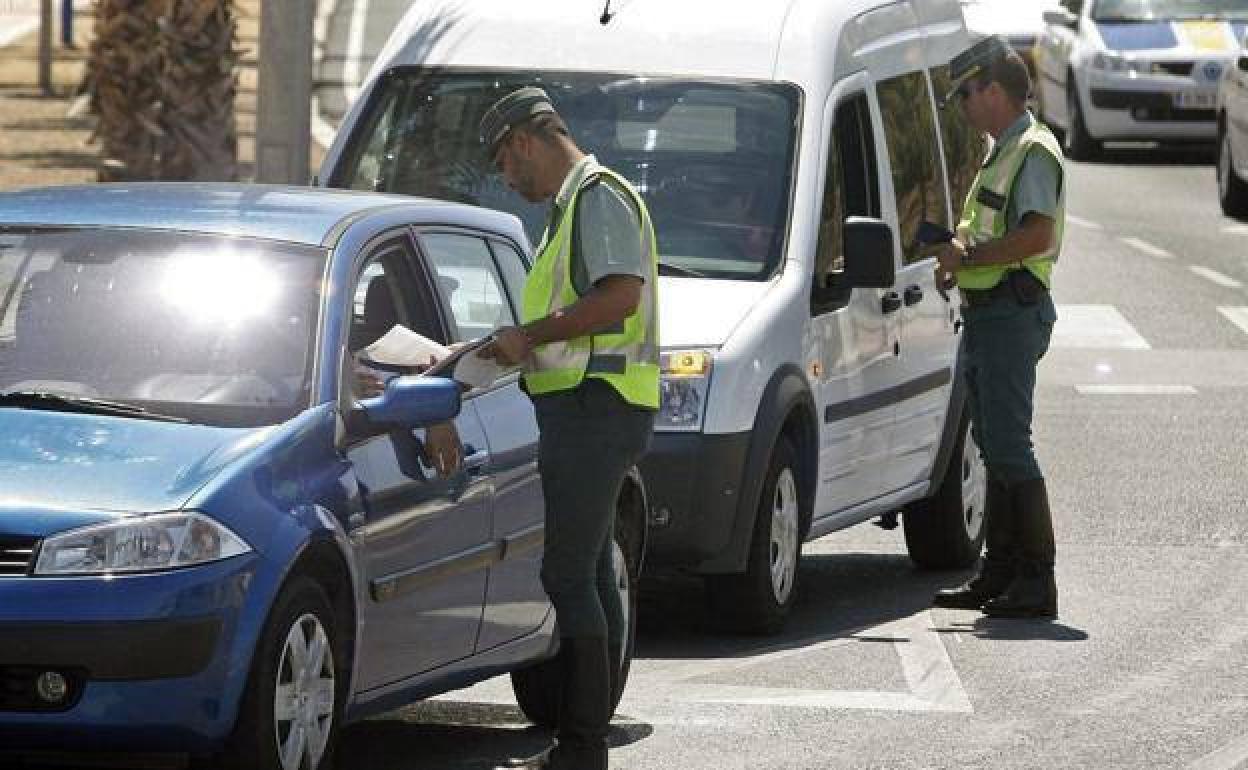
(1084,223)
(1147,248)
(1229,230)
(1237,316)
(1095,326)
(1215,276)
(1135,390)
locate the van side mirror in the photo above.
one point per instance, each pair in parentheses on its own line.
(869,255)
(411,402)
(1060,17)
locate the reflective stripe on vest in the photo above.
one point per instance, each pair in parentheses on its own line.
(626,356)
(985,211)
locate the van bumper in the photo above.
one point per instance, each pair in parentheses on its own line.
(693,482)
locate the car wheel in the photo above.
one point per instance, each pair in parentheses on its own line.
(758,601)
(291,710)
(1078,143)
(946,530)
(1232,191)
(537,687)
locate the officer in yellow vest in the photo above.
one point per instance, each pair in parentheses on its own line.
(1002,260)
(589,351)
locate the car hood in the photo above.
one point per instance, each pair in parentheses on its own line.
(702,312)
(1216,39)
(61,470)
(1015,20)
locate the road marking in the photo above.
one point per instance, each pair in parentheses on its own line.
(1085,223)
(1147,248)
(1229,230)
(1094,326)
(1215,276)
(356,28)
(1135,390)
(1229,757)
(18,30)
(1237,316)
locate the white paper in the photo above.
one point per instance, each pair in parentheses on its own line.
(476,371)
(403,347)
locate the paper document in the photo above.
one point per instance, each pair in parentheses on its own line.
(403,347)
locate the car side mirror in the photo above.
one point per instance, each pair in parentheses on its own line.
(411,402)
(1060,17)
(869,254)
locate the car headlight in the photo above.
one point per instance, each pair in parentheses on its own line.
(1112,62)
(686,377)
(139,544)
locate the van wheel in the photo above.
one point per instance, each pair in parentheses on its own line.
(946,531)
(537,688)
(1232,191)
(758,601)
(1078,143)
(291,710)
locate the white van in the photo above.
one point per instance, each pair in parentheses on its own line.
(788,151)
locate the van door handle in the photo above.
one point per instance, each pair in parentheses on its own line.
(475,460)
(914,295)
(890,303)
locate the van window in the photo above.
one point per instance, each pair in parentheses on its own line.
(851,188)
(918,180)
(712,158)
(964,146)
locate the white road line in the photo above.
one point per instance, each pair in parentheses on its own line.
(1135,390)
(351,76)
(1215,276)
(1237,316)
(1229,230)
(1084,223)
(1095,326)
(1147,248)
(1229,757)
(17,31)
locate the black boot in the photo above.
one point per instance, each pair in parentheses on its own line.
(1033,594)
(585,708)
(998,566)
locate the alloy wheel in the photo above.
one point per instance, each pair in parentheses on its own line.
(784,515)
(974,488)
(303,702)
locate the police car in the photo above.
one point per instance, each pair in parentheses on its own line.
(1233,137)
(1136,69)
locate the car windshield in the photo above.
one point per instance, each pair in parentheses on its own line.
(713,159)
(211,329)
(1155,10)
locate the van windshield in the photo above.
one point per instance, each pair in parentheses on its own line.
(215,330)
(712,158)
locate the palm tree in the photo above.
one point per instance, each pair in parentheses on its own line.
(162,79)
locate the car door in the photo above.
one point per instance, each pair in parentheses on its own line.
(852,330)
(1053,53)
(1237,108)
(424,542)
(482,278)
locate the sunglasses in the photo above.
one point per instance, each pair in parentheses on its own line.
(966,89)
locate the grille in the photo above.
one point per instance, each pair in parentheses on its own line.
(16,555)
(1180,68)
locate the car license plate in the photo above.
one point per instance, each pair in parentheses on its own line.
(1196,100)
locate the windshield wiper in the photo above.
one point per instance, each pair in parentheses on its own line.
(667,268)
(55,402)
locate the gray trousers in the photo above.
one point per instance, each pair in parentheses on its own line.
(590,437)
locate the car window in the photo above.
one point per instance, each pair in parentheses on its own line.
(469,284)
(851,188)
(964,146)
(1159,10)
(918,179)
(515,270)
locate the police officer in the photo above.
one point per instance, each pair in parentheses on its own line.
(588,347)
(1002,260)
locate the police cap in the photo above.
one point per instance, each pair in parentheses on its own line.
(514,108)
(975,62)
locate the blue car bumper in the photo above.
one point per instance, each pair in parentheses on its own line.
(154,663)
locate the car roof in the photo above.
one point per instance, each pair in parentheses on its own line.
(305,215)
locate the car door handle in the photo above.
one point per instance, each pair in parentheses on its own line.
(913,295)
(475,460)
(890,303)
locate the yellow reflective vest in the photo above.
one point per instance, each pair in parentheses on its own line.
(984,213)
(627,357)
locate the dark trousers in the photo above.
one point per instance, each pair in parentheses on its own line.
(590,437)
(1003,343)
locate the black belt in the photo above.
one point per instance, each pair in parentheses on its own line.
(1021,286)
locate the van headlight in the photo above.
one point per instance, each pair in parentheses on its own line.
(686,377)
(139,544)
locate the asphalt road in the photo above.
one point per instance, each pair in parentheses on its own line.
(1140,424)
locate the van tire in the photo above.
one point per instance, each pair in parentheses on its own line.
(946,530)
(759,600)
(1078,143)
(1232,191)
(537,688)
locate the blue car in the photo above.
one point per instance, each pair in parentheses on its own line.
(213,542)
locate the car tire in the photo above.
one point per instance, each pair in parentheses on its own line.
(1232,191)
(310,694)
(537,687)
(759,600)
(946,530)
(1077,142)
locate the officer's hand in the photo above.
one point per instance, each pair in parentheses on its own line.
(443,449)
(368,383)
(510,346)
